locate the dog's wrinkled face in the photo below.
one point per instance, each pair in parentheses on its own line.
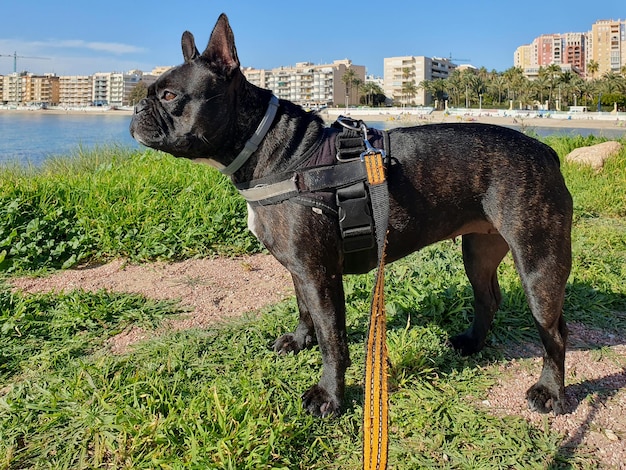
(185,112)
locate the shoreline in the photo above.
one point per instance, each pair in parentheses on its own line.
(70,111)
(606,121)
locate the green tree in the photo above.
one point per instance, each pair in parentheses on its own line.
(540,87)
(139,92)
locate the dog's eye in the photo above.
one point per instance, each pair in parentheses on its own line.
(168,95)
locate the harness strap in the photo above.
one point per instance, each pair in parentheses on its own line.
(376,403)
(266,191)
(253,142)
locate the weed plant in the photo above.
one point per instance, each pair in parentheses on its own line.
(220,398)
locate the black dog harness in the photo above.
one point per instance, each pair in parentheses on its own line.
(333,179)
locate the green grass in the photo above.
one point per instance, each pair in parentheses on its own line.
(116,202)
(219,397)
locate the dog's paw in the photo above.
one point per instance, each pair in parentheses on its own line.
(541,400)
(465,344)
(319,402)
(290,343)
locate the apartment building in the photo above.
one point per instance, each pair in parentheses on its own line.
(42,89)
(113,88)
(574,51)
(399,72)
(75,90)
(100,89)
(566,50)
(29,88)
(12,91)
(607,45)
(311,85)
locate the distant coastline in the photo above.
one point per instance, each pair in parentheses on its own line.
(77,110)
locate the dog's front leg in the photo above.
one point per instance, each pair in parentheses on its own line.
(304,335)
(308,245)
(321,299)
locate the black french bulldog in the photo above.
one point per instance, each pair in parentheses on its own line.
(497,188)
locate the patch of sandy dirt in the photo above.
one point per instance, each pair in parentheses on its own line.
(213,289)
(595,389)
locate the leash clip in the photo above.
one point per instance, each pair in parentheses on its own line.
(369,150)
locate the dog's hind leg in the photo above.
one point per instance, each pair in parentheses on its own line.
(482,254)
(544,272)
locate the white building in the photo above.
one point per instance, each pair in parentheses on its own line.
(311,85)
(400,72)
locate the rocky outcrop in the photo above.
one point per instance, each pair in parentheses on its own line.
(594,155)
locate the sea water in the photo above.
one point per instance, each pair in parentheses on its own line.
(32,137)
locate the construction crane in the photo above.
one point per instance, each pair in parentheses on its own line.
(451,59)
(15,57)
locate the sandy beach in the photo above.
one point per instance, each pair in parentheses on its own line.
(586,121)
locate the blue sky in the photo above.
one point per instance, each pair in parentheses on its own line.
(84,37)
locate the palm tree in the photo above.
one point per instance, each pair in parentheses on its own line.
(576,85)
(437,89)
(612,83)
(475,87)
(406,74)
(552,73)
(454,87)
(370,89)
(592,67)
(409,90)
(539,87)
(348,79)
(497,84)
(587,90)
(565,87)
(515,81)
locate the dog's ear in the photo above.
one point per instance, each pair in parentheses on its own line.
(221,51)
(190,52)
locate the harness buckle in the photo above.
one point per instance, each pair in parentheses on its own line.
(355,218)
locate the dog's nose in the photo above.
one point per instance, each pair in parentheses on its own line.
(141,106)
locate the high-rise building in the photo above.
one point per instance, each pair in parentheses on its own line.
(607,46)
(604,45)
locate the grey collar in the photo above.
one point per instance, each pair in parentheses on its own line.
(253,142)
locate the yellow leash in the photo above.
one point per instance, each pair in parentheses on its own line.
(376,404)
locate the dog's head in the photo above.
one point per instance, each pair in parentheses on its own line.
(192,110)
